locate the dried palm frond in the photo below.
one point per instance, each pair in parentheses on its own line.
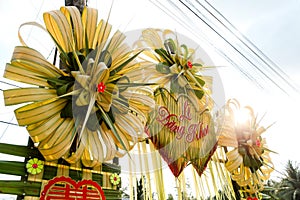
(87,110)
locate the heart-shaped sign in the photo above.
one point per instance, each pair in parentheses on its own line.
(200,163)
(66,188)
(181,133)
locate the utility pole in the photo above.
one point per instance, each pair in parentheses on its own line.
(80,4)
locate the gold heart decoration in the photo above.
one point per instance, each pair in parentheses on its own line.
(181,134)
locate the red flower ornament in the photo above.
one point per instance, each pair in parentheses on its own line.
(190,64)
(101,87)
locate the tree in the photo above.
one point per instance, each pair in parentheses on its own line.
(289,187)
(140,189)
(270,190)
(170,197)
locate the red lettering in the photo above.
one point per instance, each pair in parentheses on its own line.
(180,132)
(171,121)
(164,114)
(203,131)
(192,131)
(186,113)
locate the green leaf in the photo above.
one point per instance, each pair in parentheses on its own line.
(197,64)
(163,68)
(170,46)
(174,87)
(165,56)
(69,61)
(64,89)
(58,82)
(67,111)
(161,91)
(200,81)
(266,149)
(199,93)
(111,115)
(186,51)
(247,160)
(55,82)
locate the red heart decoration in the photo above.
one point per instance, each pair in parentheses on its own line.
(200,164)
(250,198)
(177,165)
(180,133)
(66,188)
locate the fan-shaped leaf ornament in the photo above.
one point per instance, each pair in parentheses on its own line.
(172,64)
(247,156)
(89,109)
(181,127)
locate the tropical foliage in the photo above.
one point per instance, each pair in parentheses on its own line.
(289,186)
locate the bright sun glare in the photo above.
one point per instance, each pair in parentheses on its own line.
(242,116)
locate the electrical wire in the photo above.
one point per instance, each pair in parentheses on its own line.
(246,49)
(191,27)
(197,14)
(242,37)
(9,84)
(36,17)
(8,123)
(252,47)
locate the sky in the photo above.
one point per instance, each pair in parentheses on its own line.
(272,25)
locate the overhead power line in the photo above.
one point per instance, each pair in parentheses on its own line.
(182,19)
(238,49)
(9,84)
(9,123)
(248,44)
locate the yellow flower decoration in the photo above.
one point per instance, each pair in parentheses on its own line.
(247,156)
(115,179)
(175,65)
(34,166)
(89,110)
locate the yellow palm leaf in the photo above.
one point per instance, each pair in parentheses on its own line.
(23,95)
(37,61)
(60,30)
(115,42)
(39,111)
(74,17)
(18,73)
(93,153)
(110,146)
(58,144)
(89,22)
(37,131)
(101,35)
